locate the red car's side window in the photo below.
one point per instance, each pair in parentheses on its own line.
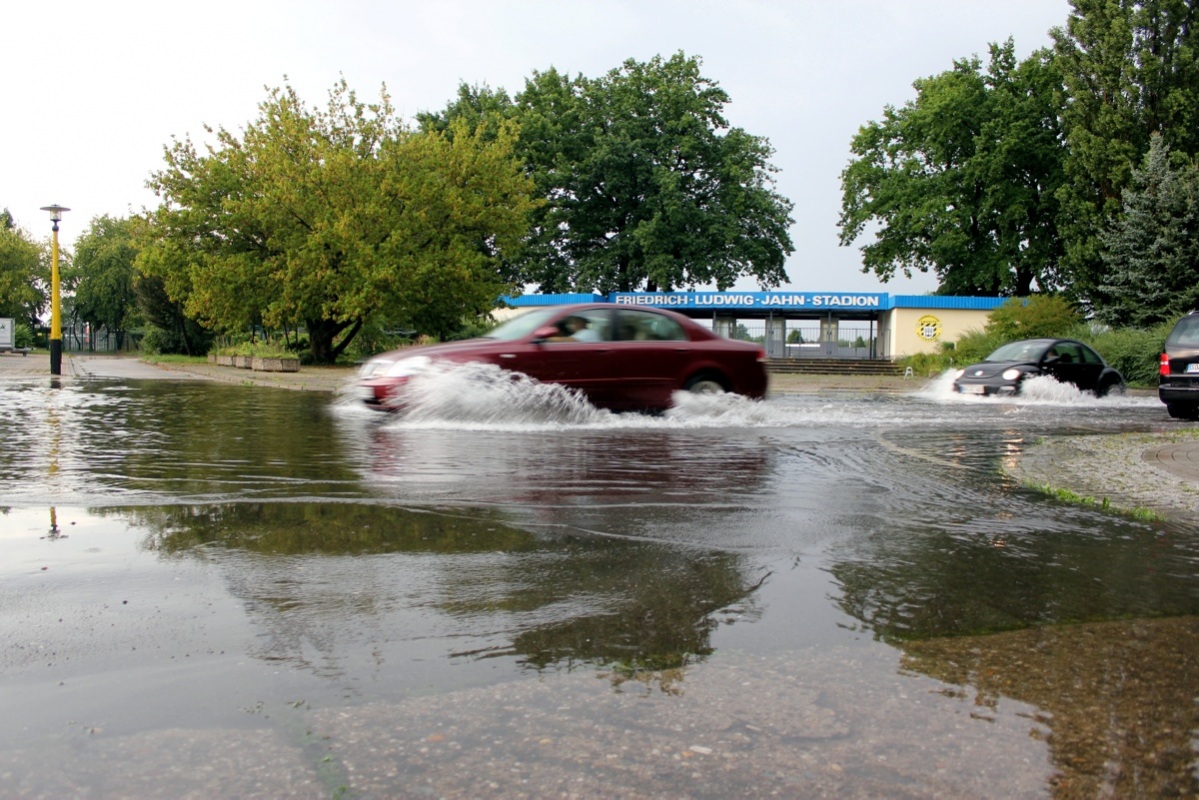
(593,325)
(645,326)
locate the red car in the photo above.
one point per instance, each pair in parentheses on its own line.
(620,358)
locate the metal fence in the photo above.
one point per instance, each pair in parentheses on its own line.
(80,337)
(803,341)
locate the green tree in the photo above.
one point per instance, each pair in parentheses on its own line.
(961,181)
(1151,251)
(1129,68)
(1041,315)
(477,106)
(22,285)
(333,218)
(102,274)
(169,328)
(646,185)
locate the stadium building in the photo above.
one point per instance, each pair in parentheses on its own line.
(812,324)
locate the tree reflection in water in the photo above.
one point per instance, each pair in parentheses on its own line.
(330,579)
(1097,628)
(1117,697)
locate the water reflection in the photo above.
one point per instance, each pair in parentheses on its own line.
(1087,617)
(983,575)
(357,560)
(609,466)
(141,441)
(328,580)
(1117,698)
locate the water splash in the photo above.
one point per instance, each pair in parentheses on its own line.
(484,394)
(485,397)
(1041,390)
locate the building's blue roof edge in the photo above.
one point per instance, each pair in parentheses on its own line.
(528,300)
(946,302)
(882,302)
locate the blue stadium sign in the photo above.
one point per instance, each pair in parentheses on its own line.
(756,300)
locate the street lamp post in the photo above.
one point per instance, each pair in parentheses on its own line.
(55,302)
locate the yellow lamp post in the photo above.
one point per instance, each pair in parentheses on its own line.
(55,302)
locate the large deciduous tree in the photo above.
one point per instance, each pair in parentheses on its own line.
(1130,68)
(22,295)
(332,218)
(645,183)
(103,274)
(961,180)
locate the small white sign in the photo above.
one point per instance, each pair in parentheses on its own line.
(7,333)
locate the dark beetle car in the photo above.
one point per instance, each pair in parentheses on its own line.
(619,357)
(1004,371)
(1178,378)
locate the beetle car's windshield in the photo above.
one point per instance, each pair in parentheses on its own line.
(522,326)
(1030,350)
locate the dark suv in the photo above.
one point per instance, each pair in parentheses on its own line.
(1178,378)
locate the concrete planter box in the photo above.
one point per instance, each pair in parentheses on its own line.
(243,362)
(276,365)
(225,361)
(212,358)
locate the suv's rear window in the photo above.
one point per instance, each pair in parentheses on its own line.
(1186,332)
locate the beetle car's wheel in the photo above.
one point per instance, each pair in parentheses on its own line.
(705,384)
(1110,387)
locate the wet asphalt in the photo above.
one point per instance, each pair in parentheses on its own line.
(752,723)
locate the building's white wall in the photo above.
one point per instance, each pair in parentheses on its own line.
(908,331)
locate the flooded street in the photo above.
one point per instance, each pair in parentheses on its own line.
(224,590)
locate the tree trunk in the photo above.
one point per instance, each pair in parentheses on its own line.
(322,334)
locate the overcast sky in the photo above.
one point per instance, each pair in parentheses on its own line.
(93,91)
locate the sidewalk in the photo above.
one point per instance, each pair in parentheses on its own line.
(1179,458)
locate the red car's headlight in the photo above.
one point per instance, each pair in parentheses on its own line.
(407,367)
(373,368)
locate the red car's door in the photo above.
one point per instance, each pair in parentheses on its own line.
(578,356)
(650,355)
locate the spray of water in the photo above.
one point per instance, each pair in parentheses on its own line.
(484,394)
(1041,390)
(485,397)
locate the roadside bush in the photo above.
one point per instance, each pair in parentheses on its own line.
(259,349)
(1041,315)
(472,328)
(156,340)
(22,335)
(1135,352)
(152,341)
(374,339)
(926,364)
(974,346)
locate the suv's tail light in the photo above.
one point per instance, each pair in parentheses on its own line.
(1164,369)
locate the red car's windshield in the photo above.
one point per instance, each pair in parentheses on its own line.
(522,326)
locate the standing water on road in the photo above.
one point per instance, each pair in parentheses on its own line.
(227,590)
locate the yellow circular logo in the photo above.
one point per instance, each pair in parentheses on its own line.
(928,328)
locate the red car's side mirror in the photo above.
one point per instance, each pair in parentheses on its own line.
(545,332)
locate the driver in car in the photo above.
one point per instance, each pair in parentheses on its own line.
(580,330)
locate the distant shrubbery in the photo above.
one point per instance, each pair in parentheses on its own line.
(1135,352)
(258,349)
